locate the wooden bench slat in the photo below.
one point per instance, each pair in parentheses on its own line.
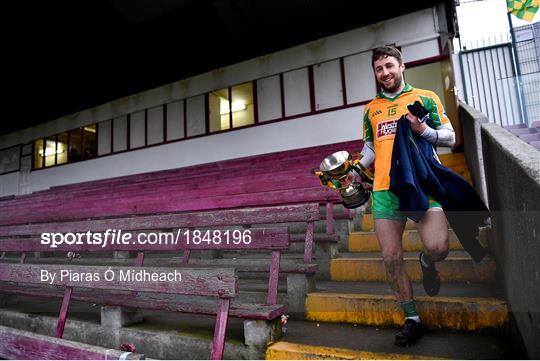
(224,169)
(255,265)
(317,237)
(238,185)
(170,203)
(194,281)
(151,301)
(256,215)
(23,345)
(241,265)
(296,171)
(195,191)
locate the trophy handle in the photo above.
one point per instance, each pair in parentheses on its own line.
(325,180)
(365,173)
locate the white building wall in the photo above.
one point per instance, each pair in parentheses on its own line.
(416,33)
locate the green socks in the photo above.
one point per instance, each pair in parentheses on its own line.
(409,308)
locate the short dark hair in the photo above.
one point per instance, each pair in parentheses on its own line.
(385,51)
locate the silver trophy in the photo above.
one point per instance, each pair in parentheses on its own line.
(340,172)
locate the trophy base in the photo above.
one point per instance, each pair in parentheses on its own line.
(355,201)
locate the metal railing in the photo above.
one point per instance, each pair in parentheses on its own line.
(491,83)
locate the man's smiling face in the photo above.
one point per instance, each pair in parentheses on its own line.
(389,73)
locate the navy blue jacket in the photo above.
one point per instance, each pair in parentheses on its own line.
(416,174)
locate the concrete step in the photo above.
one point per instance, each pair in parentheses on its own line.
(459,306)
(457,313)
(367,222)
(450,159)
(367,241)
(457,267)
(320,340)
(459,167)
(463,289)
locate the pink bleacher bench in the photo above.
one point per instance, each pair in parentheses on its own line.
(280,178)
(219,283)
(269,179)
(516,126)
(273,239)
(23,345)
(295,161)
(170,201)
(521,131)
(24,238)
(530,137)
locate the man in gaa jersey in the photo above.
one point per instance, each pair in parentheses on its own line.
(380,124)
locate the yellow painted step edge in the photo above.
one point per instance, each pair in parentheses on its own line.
(452,269)
(460,313)
(293,351)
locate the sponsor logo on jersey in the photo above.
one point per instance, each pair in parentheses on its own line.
(377,112)
(386,129)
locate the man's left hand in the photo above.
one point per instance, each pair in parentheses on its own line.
(417,117)
(416,126)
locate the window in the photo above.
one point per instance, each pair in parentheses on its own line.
(89,142)
(328,85)
(427,76)
(175,120)
(360,84)
(119,133)
(296,92)
(195,112)
(155,125)
(50,151)
(137,130)
(62,148)
(269,98)
(10,159)
(38,154)
(75,146)
(231,107)
(220,118)
(68,147)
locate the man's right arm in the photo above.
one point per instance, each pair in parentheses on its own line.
(368,153)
